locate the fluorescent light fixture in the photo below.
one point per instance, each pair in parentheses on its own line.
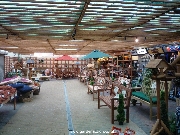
(12,47)
(43,54)
(115,40)
(76,40)
(67,45)
(61,49)
(136,40)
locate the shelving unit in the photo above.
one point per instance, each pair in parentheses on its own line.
(7,64)
(46,63)
(124,64)
(70,66)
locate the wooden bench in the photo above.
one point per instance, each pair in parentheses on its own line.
(139,97)
(82,77)
(110,98)
(98,84)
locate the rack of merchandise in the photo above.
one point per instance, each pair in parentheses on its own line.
(124,64)
(70,66)
(7,65)
(41,64)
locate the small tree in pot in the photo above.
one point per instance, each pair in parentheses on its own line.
(120,110)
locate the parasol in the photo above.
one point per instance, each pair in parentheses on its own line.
(96,54)
(65,57)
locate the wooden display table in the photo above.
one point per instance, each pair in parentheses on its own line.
(41,77)
(9,99)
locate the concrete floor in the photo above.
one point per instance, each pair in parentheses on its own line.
(64,105)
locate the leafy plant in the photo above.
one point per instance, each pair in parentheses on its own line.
(177,81)
(121,113)
(91,81)
(172,123)
(124,84)
(146,83)
(12,74)
(163,108)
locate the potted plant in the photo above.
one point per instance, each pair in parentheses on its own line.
(121,113)
(163,109)
(91,81)
(124,84)
(112,78)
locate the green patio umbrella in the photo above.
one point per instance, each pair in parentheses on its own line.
(95,54)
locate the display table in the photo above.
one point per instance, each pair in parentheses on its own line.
(6,95)
(40,77)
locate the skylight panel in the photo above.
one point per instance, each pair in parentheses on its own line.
(30,24)
(99,2)
(3,16)
(90,9)
(108,13)
(96,6)
(21,29)
(60,31)
(65,25)
(88,29)
(32,34)
(97,27)
(11,25)
(149,30)
(46,26)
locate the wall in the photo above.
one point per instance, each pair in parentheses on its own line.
(1,67)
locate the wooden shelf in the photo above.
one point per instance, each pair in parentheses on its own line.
(124,62)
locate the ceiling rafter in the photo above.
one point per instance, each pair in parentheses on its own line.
(80,17)
(140,24)
(101,24)
(82,13)
(51,46)
(10,31)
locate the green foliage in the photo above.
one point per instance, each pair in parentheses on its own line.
(146,83)
(163,108)
(124,84)
(162,95)
(172,123)
(91,81)
(177,81)
(164,114)
(12,74)
(120,109)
